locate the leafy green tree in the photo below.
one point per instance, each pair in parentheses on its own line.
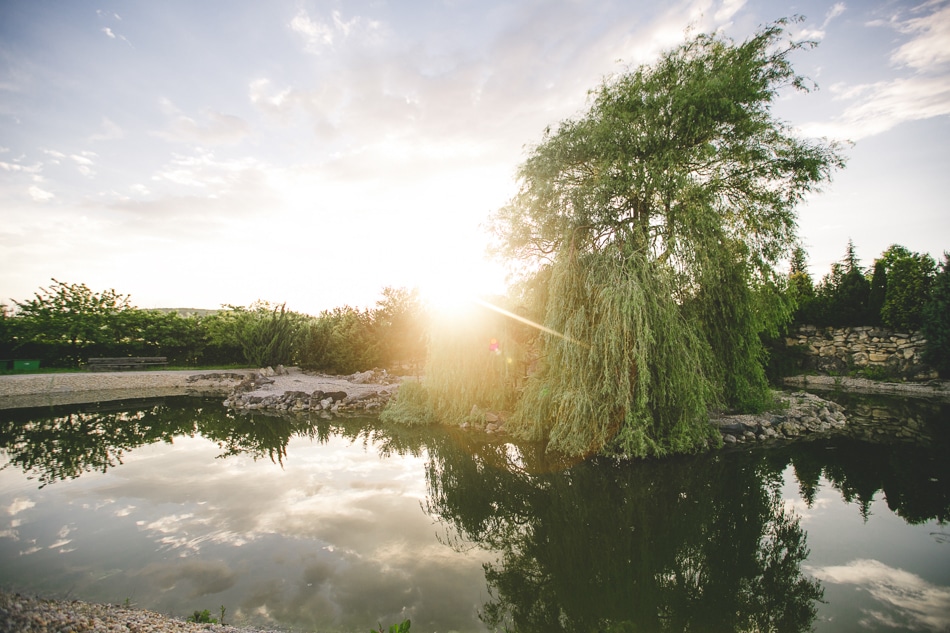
(936,321)
(67,322)
(222,335)
(158,333)
(342,341)
(7,336)
(658,218)
(909,276)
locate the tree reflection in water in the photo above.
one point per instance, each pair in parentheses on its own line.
(699,543)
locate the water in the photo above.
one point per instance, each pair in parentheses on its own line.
(177,505)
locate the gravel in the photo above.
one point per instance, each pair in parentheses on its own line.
(25,614)
(37,390)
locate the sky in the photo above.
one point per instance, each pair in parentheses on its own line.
(309,152)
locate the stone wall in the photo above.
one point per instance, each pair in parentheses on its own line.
(879,352)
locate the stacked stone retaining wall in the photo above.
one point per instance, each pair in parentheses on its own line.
(879,352)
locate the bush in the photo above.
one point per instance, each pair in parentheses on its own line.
(341,341)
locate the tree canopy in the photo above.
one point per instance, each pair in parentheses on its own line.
(652,226)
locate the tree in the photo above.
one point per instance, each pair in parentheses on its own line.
(936,320)
(851,291)
(657,219)
(342,340)
(401,322)
(909,276)
(801,288)
(66,322)
(877,293)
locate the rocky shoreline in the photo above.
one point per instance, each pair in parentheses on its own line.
(28,614)
(802,414)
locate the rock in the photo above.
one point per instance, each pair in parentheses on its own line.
(360,378)
(729,439)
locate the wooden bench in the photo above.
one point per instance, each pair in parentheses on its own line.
(125,363)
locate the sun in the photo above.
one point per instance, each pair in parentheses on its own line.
(458,289)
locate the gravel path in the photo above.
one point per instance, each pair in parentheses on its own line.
(38,390)
(25,614)
(41,390)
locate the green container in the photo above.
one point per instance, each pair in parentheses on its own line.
(26,365)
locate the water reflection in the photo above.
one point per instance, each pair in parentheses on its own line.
(523,542)
(680,545)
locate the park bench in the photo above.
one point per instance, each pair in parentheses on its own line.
(124,363)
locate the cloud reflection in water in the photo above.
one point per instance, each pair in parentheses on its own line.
(906,600)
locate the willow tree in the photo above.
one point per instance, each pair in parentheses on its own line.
(654,225)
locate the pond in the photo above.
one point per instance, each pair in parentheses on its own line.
(177,505)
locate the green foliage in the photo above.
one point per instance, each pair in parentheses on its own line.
(401,322)
(656,220)
(877,293)
(936,321)
(627,372)
(65,322)
(270,336)
(466,373)
(222,335)
(909,277)
(841,299)
(895,295)
(261,335)
(202,617)
(402,627)
(342,341)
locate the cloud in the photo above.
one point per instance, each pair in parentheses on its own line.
(911,601)
(205,170)
(40,195)
(205,577)
(84,163)
(319,35)
(215,128)
(110,131)
(18,505)
(17,167)
(112,35)
(928,48)
(728,9)
(922,92)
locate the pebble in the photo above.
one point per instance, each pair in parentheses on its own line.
(25,614)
